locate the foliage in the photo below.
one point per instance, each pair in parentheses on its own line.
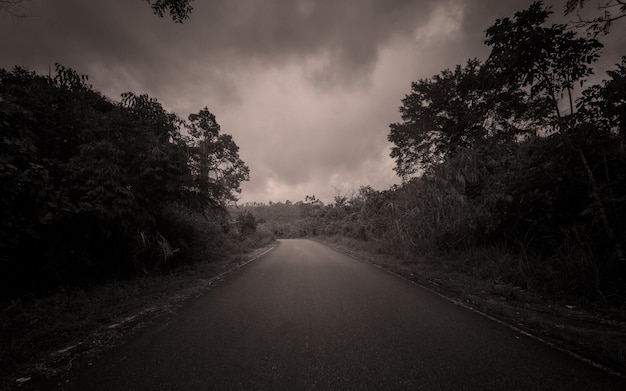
(246,223)
(214,160)
(600,25)
(497,157)
(548,60)
(179,10)
(454,110)
(93,189)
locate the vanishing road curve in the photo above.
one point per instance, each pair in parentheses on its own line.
(305,317)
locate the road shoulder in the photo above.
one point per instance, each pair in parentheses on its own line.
(43,339)
(596,335)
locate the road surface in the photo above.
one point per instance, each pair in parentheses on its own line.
(305,317)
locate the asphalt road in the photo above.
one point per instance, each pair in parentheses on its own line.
(304,317)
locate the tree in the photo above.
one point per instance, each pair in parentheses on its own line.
(246,223)
(155,155)
(601,122)
(454,110)
(179,10)
(600,25)
(216,167)
(548,60)
(604,105)
(93,189)
(551,61)
(14,8)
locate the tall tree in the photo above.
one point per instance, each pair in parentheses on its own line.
(459,108)
(215,162)
(551,61)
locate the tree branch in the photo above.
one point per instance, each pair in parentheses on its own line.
(601,24)
(15,8)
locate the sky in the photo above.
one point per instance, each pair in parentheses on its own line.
(307,88)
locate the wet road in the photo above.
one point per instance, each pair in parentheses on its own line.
(304,317)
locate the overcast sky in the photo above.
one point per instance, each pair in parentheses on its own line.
(307,88)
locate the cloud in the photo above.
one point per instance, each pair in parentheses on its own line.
(444,23)
(307,88)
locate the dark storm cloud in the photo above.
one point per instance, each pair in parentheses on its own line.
(306,87)
(349,32)
(119,43)
(230,33)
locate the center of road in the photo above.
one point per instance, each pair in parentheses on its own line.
(305,317)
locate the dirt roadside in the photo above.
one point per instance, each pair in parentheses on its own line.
(40,339)
(593,334)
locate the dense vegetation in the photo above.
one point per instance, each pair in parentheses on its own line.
(505,165)
(94,189)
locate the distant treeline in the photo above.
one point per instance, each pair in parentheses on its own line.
(504,170)
(93,189)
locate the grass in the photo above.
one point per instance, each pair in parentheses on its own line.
(41,336)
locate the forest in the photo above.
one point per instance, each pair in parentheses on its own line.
(511,169)
(94,189)
(513,165)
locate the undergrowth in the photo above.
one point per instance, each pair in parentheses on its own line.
(33,328)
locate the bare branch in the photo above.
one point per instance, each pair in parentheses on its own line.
(611,11)
(179,10)
(17,9)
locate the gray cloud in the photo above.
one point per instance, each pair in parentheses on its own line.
(223,33)
(307,88)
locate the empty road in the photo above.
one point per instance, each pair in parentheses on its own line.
(305,317)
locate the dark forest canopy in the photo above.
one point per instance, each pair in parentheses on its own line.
(90,186)
(518,92)
(508,144)
(514,155)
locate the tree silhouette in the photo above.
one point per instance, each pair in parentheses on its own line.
(179,10)
(455,109)
(599,25)
(14,8)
